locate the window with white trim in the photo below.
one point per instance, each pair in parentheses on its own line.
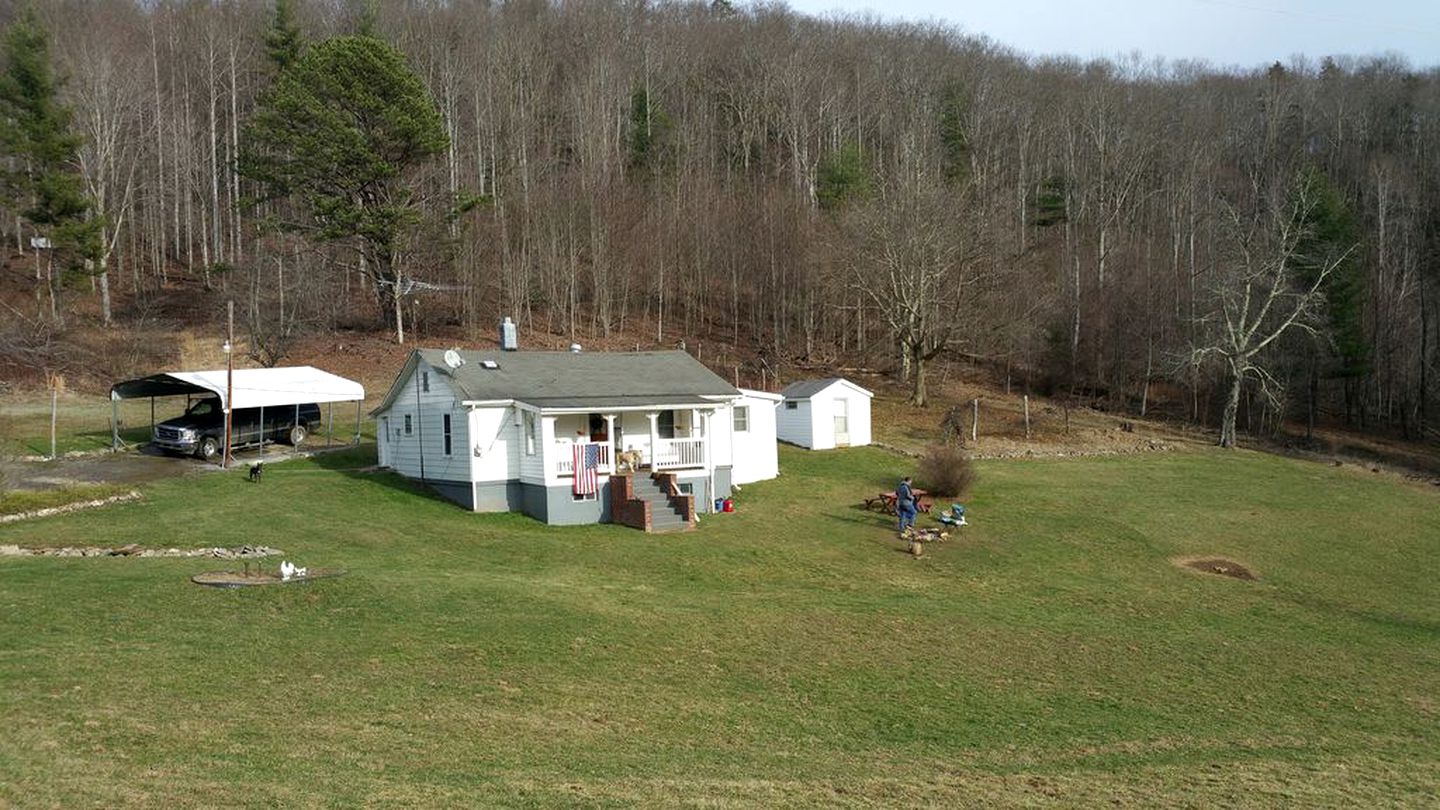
(425,381)
(741,419)
(530,430)
(445,423)
(407,424)
(791,405)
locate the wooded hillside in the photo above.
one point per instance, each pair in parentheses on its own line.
(841,191)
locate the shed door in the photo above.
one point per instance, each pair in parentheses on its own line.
(842,422)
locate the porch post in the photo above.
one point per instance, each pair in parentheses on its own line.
(709,505)
(654,417)
(613,441)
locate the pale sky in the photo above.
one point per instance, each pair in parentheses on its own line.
(1246,33)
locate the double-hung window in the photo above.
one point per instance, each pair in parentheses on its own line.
(741,420)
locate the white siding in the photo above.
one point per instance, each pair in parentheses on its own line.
(721,439)
(532,465)
(793,425)
(493,455)
(755,455)
(402,452)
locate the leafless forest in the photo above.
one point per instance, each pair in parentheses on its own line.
(838,191)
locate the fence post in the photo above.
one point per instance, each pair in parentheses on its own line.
(1027,416)
(974,419)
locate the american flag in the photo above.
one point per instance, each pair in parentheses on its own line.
(587,469)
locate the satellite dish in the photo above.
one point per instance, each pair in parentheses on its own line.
(453,359)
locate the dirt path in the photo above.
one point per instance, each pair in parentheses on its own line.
(103,468)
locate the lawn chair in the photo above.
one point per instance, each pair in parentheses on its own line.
(955,518)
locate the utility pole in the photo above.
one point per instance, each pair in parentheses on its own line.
(229,378)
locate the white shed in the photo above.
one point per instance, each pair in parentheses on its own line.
(824,414)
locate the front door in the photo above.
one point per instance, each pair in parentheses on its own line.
(842,423)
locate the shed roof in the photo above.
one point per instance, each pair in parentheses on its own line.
(575,379)
(804,389)
(253,387)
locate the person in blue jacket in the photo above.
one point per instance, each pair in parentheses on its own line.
(905,504)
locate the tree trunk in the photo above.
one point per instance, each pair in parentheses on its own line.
(1232,408)
(104,278)
(916,355)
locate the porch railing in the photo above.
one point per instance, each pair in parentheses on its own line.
(672,454)
(565,458)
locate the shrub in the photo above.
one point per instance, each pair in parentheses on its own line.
(946,471)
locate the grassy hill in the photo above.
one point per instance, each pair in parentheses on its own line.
(787,654)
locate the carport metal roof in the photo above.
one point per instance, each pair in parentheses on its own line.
(253,387)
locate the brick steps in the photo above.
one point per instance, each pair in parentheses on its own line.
(644,502)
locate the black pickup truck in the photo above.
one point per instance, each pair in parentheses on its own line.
(201,430)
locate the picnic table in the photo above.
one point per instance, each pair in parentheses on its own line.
(887,501)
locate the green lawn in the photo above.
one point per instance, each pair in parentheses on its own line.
(787,654)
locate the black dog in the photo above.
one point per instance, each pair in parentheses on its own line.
(256,470)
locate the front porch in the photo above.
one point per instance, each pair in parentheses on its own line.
(653,440)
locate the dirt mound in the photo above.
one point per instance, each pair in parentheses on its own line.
(1217,565)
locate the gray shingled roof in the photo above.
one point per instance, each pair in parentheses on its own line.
(804,389)
(580,379)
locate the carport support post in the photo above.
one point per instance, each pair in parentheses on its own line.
(358,404)
(329,422)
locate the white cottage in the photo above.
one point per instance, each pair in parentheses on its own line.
(499,431)
(824,414)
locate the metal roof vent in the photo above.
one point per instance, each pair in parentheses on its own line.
(574,348)
(490,364)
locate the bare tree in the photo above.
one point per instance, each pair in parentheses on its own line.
(1260,290)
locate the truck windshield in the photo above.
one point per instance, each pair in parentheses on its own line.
(203,408)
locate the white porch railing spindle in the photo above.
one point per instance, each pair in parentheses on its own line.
(565,458)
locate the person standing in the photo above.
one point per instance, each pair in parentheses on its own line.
(905,504)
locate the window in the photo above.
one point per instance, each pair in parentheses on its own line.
(407,424)
(385,427)
(530,433)
(589,496)
(425,381)
(445,418)
(666,425)
(741,419)
(791,404)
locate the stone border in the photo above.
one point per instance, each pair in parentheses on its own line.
(134,550)
(132,495)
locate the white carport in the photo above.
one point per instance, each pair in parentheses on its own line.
(290,386)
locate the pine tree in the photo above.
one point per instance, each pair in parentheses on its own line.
(339,135)
(283,42)
(46,186)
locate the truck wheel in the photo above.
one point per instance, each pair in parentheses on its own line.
(297,435)
(208,448)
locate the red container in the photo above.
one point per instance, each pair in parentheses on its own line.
(729,506)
